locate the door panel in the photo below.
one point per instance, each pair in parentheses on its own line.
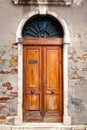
(33,102)
(52,102)
(32,82)
(52,82)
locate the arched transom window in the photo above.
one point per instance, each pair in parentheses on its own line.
(42,27)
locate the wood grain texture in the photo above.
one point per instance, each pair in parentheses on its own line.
(52,81)
(43,83)
(42,41)
(32,81)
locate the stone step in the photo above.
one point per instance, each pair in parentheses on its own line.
(42,126)
(39,128)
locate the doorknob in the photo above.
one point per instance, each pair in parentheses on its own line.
(32,91)
(52,91)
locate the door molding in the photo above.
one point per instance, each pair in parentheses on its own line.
(66,41)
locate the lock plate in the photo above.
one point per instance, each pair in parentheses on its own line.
(32,61)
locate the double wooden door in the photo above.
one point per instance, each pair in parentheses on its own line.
(43,89)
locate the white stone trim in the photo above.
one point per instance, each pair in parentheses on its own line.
(42,9)
(66,41)
(66,118)
(78,2)
(20,79)
(15,1)
(21,24)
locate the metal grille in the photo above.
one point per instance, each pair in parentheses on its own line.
(42,27)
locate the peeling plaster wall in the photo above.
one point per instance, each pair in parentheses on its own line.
(76,19)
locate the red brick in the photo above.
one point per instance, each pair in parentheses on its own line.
(4,99)
(2,107)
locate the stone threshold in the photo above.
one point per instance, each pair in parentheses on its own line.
(44,124)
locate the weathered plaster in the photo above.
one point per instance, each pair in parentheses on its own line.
(8,58)
(76,18)
(8,95)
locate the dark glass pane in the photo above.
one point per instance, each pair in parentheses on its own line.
(44,27)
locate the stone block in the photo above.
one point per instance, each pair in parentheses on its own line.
(79,127)
(17,128)
(18,120)
(78,2)
(67,120)
(9,120)
(67,128)
(5,127)
(42,128)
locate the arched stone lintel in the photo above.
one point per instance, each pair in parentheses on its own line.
(21,25)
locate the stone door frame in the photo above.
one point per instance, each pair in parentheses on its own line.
(66,41)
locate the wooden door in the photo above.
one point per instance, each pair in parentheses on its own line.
(53,84)
(32,83)
(43,89)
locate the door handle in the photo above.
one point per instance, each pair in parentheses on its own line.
(32,91)
(52,91)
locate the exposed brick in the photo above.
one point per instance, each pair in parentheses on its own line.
(9,88)
(84,69)
(14,94)
(14,61)
(15,45)
(70,58)
(8,85)
(2,107)
(2,120)
(13,71)
(78,77)
(72,72)
(4,99)
(12,114)
(1,60)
